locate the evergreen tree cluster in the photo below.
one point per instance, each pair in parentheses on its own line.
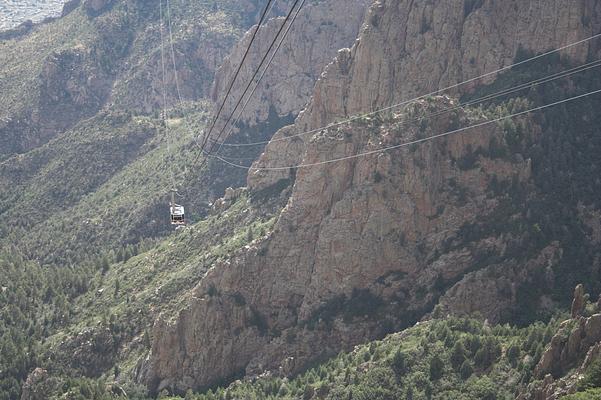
(452,358)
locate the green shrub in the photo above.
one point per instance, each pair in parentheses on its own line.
(589,394)
(592,376)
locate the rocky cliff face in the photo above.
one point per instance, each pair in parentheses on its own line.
(573,349)
(364,247)
(433,46)
(442,44)
(368,245)
(319,31)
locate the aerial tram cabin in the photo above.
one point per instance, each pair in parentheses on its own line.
(178,214)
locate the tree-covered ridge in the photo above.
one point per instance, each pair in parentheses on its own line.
(553,208)
(449,358)
(83,204)
(50,315)
(34,303)
(444,358)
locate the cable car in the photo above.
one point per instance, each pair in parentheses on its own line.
(178,214)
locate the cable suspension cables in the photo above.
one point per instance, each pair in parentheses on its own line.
(258,69)
(176,211)
(260,79)
(434,93)
(233,81)
(174,63)
(413,142)
(164,95)
(172,51)
(479,100)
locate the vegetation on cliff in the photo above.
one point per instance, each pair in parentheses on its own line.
(448,358)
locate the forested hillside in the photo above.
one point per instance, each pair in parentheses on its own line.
(80,192)
(401,211)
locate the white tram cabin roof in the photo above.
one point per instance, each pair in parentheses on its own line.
(177,210)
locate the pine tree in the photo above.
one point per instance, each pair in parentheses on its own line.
(399,363)
(458,355)
(105,265)
(409,395)
(428,392)
(466,370)
(513,354)
(436,368)
(147,339)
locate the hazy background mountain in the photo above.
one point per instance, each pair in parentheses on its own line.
(15,12)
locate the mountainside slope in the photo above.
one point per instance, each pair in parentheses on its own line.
(45,182)
(369,245)
(108,53)
(83,189)
(99,299)
(92,145)
(14,13)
